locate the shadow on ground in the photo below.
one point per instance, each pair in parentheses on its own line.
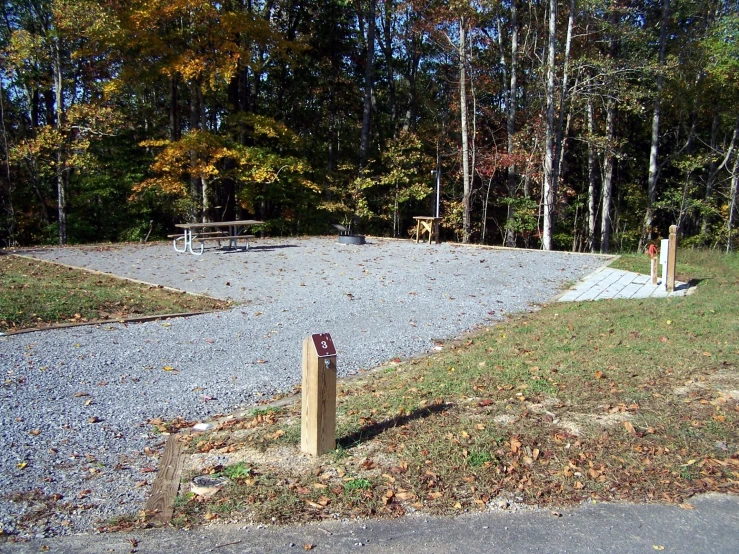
(371,431)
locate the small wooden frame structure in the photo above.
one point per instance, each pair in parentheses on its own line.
(427,224)
(318,409)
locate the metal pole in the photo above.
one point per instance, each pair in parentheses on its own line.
(438,183)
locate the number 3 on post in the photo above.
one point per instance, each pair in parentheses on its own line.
(324,345)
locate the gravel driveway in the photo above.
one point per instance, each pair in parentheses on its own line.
(75,402)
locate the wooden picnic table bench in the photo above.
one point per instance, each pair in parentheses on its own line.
(230,231)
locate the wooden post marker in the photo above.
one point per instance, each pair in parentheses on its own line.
(671,258)
(318,410)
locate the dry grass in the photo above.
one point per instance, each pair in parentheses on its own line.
(39,294)
(614,400)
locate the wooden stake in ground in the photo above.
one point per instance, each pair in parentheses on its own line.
(318,421)
(671,258)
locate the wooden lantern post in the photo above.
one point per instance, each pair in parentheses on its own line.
(318,410)
(652,251)
(671,258)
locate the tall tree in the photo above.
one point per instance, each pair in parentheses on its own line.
(653,174)
(550,186)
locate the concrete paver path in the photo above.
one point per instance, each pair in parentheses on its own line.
(607,283)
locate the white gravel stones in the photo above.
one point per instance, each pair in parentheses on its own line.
(89,391)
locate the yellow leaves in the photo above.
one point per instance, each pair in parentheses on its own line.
(212,158)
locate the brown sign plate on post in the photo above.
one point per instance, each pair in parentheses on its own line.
(324,345)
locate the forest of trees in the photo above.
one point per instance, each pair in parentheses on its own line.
(586,125)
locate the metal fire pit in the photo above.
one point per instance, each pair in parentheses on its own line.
(346,236)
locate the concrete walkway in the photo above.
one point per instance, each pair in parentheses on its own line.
(606,283)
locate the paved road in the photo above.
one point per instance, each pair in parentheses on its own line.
(711,527)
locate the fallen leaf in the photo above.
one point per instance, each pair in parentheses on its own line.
(629,427)
(209,516)
(687,506)
(658,547)
(93,419)
(308,546)
(35,432)
(21,465)
(599,375)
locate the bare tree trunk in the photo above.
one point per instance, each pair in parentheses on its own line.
(61,196)
(387,49)
(8,203)
(732,204)
(605,226)
(549,191)
(368,83)
(466,218)
(592,185)
(563,100)
(706,220)
(654,148)
(510,236)
(174,114)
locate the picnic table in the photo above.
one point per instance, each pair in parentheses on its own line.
(427,224)
(212,231)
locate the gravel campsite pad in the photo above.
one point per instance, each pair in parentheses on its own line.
(75,445)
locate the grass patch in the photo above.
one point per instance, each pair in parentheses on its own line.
(38,294)
(612,400)
(357,485)
(237,471)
